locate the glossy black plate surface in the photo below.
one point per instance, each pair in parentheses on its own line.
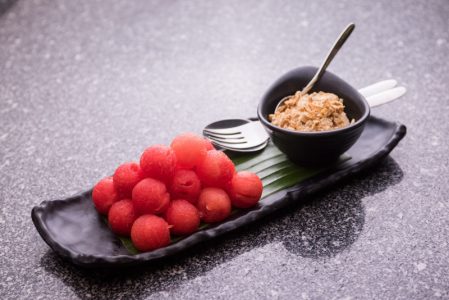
(74,230)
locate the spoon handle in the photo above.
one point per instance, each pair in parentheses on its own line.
(332,52)
(386,96)
(378,87)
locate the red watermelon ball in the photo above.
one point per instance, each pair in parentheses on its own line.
(214,205)
(150,232)
(190,150)
(150,196)
(158,162)
(185,185)
(216,170)
(183,217)
(104,195)
(245,189)
(209,145)
(121,217)
(126,176)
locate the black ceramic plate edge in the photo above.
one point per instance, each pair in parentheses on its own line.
(285,197)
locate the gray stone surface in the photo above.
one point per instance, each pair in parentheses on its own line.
(85,85)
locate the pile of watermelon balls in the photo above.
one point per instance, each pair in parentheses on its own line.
(172,190)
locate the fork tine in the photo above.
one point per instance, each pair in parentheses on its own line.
(243,149)
(226,139)
(225,136)
(227,142)
(226,131)
(238,146)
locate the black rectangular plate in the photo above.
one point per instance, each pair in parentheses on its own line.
(74,230)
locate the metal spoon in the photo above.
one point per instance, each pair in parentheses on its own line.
(330,56)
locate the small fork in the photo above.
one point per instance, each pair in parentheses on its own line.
(248,135)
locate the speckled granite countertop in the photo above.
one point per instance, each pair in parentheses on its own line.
(85,85)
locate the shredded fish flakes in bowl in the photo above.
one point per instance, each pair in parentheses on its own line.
(311,112)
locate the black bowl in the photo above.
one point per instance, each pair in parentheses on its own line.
(314,148)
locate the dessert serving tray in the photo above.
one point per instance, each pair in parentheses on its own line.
(74,230)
